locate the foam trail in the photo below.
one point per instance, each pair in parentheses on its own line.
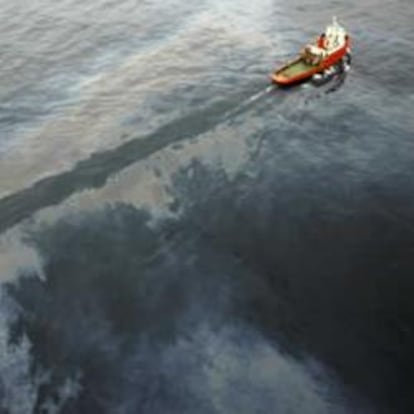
(259,94)
(247,102)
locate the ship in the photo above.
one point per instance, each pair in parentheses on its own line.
(328,54)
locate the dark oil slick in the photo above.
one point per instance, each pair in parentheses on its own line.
(177,237)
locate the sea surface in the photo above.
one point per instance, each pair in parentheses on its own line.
(179,237)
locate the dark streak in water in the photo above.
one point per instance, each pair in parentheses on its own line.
(94,171)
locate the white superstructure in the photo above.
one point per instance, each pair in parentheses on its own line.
(335,36)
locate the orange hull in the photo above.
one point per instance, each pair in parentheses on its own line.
(280,76)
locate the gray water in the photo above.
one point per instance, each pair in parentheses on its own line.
(179,237)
